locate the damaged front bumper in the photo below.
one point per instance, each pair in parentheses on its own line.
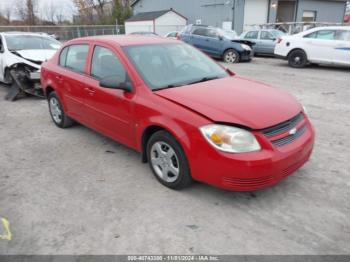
(25,79)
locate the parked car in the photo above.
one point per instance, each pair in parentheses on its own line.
(265,40)
(172,35)
(21,55)
(190,118)
(320,45)
(144,33)
(217,43)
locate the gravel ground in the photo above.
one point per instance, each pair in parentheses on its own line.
(76,192)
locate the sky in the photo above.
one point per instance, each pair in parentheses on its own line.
(65,5)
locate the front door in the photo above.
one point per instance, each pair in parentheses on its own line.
(342,47)
(267,42)
(320,45)
(111,110)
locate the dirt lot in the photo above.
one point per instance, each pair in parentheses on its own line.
(74,191)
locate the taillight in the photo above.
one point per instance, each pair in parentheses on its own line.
(279,40)
(178,36)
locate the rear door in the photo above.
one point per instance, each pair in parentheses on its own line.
(320,45)
(70,77)
(111,109)
(342,49)
(199,39)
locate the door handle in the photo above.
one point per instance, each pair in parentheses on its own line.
(59,78)
(90,90)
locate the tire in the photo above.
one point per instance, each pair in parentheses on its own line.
(57,113)
(165,154)
(231,56)
(297,59)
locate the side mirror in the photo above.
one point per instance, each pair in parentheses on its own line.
(114,82)
(228,70)
(221,37)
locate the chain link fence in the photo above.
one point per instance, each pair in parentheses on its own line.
(64,33)
(292,27)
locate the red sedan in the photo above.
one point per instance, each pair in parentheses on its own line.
(190,118)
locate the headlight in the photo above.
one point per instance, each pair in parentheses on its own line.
(246,47)
(305,110)
(230,139)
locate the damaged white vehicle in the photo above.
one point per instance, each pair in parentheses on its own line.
(21,56)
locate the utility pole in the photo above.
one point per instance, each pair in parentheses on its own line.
(233,14)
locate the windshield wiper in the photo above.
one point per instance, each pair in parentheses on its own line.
(166,87)
(204,79)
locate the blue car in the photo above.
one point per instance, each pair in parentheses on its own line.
(218,43)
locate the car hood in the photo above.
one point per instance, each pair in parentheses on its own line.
(37,55)
(236,100)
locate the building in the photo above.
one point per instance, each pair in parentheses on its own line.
(239,14)
(159,22)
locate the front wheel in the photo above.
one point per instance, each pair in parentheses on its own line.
(297,59)
(231,56)
(168,161)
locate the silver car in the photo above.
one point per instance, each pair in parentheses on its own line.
(265,40)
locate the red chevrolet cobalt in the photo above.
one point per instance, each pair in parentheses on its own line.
(189,117)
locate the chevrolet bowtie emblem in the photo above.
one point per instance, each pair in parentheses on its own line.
(293,131)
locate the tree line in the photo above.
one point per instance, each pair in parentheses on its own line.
(86,12)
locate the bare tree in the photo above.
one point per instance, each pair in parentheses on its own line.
(8,14)
(27,11)
(90,9)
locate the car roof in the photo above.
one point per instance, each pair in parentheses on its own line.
(331,27)
(126,40)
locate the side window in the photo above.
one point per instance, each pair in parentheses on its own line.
(343,35)
(265,35)
(212,33)
(200,31)
(252,35)
(322,34)
(105,63)
(76,57)
(326,34)
(63,56)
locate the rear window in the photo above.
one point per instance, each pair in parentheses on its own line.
(252,35)
(63,57)
(74,57)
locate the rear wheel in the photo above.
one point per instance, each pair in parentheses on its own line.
(57,113)
(297,59)
(168,161)
(231,56)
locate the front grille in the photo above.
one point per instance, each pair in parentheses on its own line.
(290,138)
(283,127)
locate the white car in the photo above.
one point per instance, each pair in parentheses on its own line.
(320,45)
(26,51)
(172,35)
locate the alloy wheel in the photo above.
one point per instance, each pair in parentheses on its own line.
(55,110)
(165,162)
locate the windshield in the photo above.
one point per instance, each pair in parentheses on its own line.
(30,42)
(172,65)
(229,34)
